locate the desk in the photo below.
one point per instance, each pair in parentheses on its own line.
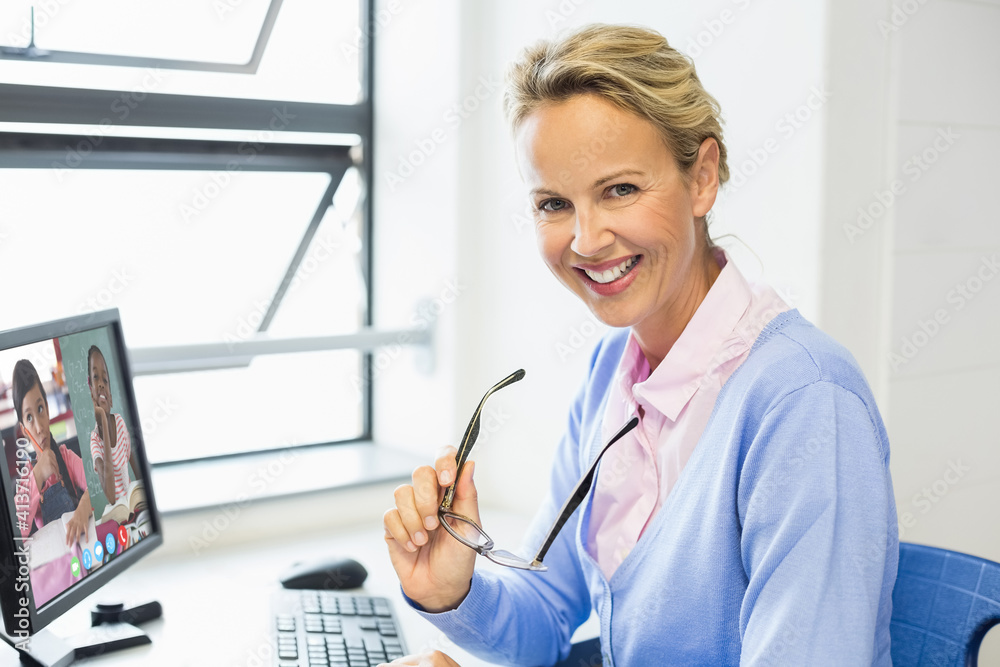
(216,604)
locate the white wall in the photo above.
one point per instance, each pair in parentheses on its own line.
(416,213)
(945,380)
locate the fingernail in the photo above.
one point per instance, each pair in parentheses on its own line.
(410,546)
(446,477)
(419,537)
(472,473)
(430,522)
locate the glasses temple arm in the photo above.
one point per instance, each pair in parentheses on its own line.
(579,493)
(471,433)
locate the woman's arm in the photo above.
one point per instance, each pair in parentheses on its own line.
(820,541)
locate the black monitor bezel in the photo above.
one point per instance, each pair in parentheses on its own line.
(9,596)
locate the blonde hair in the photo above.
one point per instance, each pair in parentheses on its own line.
(634,69)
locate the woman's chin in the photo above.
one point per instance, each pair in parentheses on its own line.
(612,319)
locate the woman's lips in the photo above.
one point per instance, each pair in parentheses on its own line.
(616,286)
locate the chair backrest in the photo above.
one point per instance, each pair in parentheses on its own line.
(943,604)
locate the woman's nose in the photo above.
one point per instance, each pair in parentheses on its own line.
(591,234)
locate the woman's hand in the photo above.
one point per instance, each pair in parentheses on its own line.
(434,569)
(429,659)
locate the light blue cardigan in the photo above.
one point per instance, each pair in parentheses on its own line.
(777,546)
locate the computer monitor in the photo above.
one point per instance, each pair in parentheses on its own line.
(74,464)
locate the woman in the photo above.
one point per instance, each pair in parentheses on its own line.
(778,544)
(56,481)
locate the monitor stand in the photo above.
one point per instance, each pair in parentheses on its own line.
(45,649)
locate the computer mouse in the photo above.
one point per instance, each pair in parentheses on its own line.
(332,574)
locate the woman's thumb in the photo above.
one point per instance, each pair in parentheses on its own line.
(466,496)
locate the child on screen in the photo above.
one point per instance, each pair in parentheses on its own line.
(110,444)
(56,482)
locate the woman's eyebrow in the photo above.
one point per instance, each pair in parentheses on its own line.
(618,174)
(598,183)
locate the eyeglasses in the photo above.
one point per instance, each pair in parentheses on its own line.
(471,534)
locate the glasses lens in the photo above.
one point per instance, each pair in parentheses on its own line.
(466,530)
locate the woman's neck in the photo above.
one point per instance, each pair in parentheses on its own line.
(657,340)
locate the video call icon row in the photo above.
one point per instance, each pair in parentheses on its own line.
(110,544)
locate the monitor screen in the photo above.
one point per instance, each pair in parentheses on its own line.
(75,477)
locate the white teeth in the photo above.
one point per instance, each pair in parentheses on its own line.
(617,272)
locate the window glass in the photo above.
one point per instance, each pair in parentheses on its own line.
(192,257)
(278,401)
(312,54)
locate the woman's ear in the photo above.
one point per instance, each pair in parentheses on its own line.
(705,181)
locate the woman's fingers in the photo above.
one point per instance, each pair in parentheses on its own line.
(427,494)
(413,523)
(394,528)
(445,466)
(415,514)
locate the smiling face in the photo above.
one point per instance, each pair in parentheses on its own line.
(100,385)
(616,220)
(35,417)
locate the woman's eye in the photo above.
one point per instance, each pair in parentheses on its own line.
(552,205)
(622,190)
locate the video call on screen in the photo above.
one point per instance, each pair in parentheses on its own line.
(71,450)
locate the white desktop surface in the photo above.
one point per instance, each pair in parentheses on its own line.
(216,605)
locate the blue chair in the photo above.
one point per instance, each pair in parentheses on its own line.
(943,604)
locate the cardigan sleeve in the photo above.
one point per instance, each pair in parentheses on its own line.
(818,531)
(517,617)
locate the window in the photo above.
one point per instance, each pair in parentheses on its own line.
(209,179)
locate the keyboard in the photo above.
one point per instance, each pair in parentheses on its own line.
(334,629)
